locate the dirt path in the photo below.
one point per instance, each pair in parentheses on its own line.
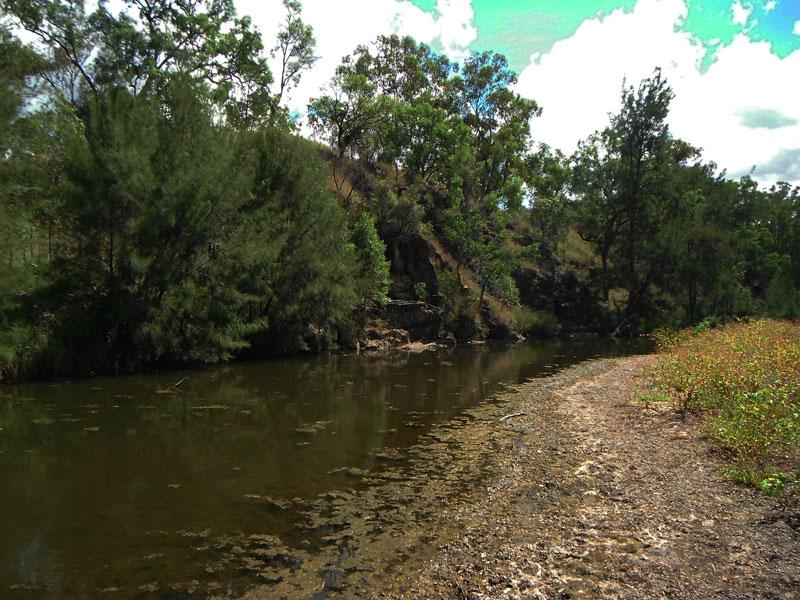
(602,499)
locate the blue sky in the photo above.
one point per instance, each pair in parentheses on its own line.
(734,64)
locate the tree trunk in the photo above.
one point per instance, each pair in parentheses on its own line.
(111,253)
(482,277)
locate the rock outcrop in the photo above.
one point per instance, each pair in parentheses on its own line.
(413,261)
(421,320)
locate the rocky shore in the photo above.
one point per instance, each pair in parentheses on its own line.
(600,497)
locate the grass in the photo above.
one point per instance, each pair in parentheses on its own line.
(575,251)
(536,324)
(744,378)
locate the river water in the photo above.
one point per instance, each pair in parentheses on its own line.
(287,478)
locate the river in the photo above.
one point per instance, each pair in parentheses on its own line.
(300,477)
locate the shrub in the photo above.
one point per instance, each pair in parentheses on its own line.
(503,286)
(421,291)
(539,324)
(745,378)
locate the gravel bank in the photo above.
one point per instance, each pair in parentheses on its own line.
(600,498)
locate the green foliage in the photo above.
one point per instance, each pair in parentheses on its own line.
(777,484)
(649,398)
(91,55)
(744,377)
(308,282)
(372,280)
(295,51)
(620,174)
(702,326)
(421,291)
(503,286)
(781,296)
(184,244)
(152,216)
(536,324)
(548,178)
(676,242)
(395,216)
(450,141)
(455,298)
(147,192)
(154,207)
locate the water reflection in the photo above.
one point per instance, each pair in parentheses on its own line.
(241,475)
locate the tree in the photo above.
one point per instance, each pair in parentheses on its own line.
(18,179)
(147,194)
(372,281)
(490,177)
(148,44)
(349,120)
(547,181)
(295,51)
(306,289)
(454,140)
(623,176)
(387,114)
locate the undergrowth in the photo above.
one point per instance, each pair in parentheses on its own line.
(744,378)
(536,324)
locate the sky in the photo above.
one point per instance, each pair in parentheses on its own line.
(734,64)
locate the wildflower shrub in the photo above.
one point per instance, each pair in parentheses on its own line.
(745,377)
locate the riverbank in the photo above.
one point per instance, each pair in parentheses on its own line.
(599,497)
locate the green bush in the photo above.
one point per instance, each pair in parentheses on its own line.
(421,291)
(538,324)
(504,287)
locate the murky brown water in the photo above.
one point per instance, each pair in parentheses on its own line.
(292,478)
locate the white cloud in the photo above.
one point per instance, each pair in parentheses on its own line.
(770,6)
(740,13)
(455,25)
(578,84)
(578,81)
(796,28)
(341,26)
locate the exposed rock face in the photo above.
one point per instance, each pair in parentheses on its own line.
(382,340)
(496,329)
(421,320)
(415,261)
(467,329)
(412,261)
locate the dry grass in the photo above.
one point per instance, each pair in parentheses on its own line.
(573,250)
(499,310)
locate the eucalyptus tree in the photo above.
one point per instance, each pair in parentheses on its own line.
(387,107)
(454,134)
(490,176)
(547,182)
(295,51)
(145,45)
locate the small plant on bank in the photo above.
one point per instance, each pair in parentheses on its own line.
(421,291)
(777,484)
(651,397)
(702,326)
